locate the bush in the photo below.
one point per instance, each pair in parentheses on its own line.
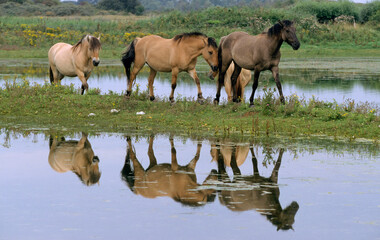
(326,11)
(370,12)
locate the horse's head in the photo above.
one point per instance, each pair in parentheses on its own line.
(288,34)
(93,49)
(285,219)
(86,162)
(210,53)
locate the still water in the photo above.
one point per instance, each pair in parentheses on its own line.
(114,186)
(332,79)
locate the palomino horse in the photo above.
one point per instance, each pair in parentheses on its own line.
(257,192)
(75,156)
(169,55)
(171,180)
(77,60)
(258,53)
(242,81)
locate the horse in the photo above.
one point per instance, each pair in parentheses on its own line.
(241,82)
(257,192)
(170,180)
(75,156)
(169,55)
(77,60)
(260,52)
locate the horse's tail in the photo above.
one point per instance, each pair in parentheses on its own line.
(221,79)
(127,173)
(51,75)
(128,58)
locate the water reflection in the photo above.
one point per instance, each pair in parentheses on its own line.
(241,193)
(340,180)
(166,179)
(75,156)
(252,192)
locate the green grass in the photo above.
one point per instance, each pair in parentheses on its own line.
(62,107)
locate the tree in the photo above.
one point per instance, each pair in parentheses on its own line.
(132,6)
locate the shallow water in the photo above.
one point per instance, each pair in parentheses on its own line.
(336,189)
(336,79)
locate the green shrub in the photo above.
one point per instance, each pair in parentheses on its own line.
(326,11)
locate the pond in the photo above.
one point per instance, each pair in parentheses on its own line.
(333,79)
(117,186)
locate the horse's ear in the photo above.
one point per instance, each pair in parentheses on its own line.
(281,23)
(99,37)
(88,38)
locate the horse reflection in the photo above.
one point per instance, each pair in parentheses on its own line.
(75,156)
(254,191)
(171,180)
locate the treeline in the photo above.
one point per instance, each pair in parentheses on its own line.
(323,10)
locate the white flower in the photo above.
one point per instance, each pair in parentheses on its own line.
(91,114)
(114,110)
(140,113)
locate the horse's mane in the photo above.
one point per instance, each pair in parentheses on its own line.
(211,41)
(94,43)
(276,29)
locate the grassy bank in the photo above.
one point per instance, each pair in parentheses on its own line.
(62,107)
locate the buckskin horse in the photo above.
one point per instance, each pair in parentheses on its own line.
(77,60)
(167,179)
(260,52)
(75,156)
(169,55)
(241,82)
(254,192)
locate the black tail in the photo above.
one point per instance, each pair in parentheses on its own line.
(127,173)
(128,58)
(51,76)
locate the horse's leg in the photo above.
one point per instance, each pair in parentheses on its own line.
(276,76)
(274,175)
(194,75)
(87,76)
(256,76)
(54,75)
(234,78)
(234,166)
(175,72)
(152,157)
(151,77)
(174,164)
(254,163)
(227,86)
(194,161)
(83,79)
(222,73)
(136,69)
(138,168)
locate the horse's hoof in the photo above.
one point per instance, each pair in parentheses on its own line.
(251,105)
(151,98)
(201,100)
(216,101)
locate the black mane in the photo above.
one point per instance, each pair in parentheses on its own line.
(179,37)
(211,41)
(276,29)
